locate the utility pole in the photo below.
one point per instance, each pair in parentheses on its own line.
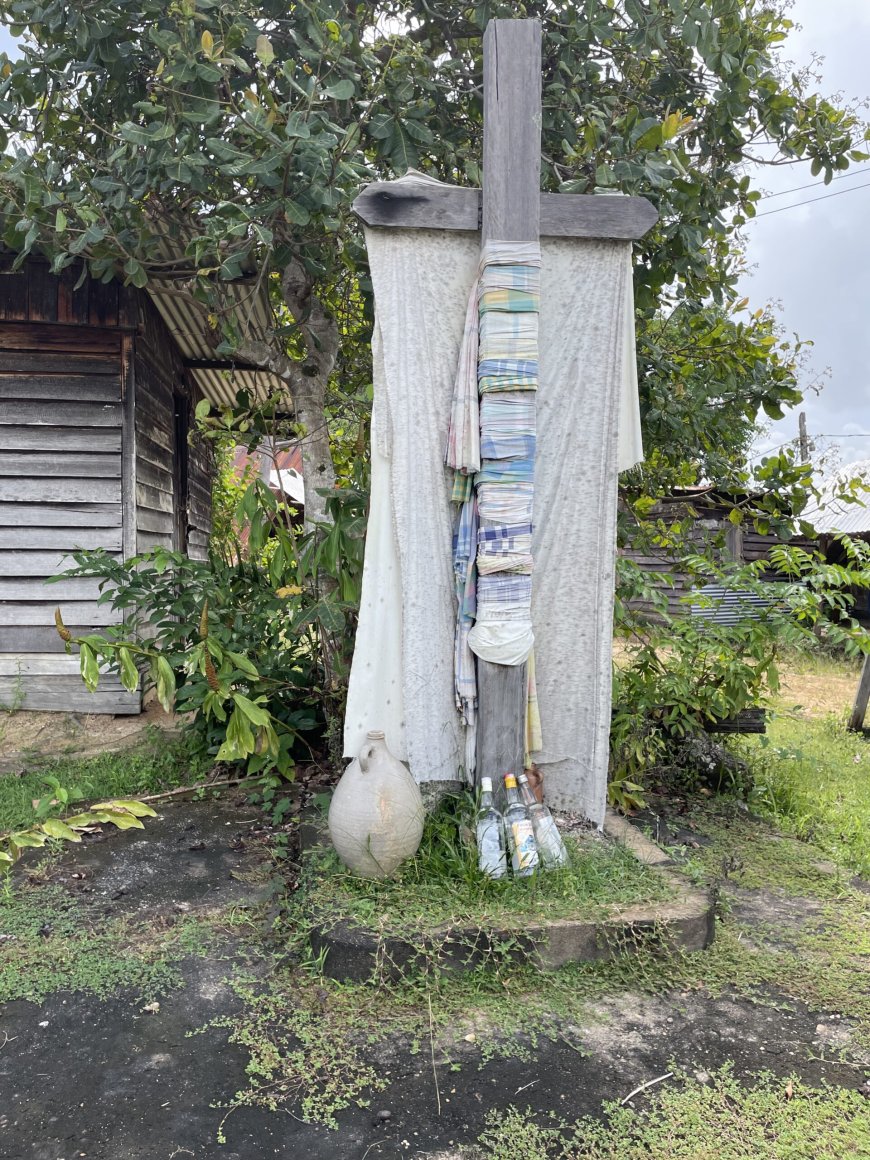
(803,441)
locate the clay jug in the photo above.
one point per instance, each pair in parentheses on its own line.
(376,815)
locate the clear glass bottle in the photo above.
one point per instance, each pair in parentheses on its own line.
(550,845)
(520,832)
(491,855)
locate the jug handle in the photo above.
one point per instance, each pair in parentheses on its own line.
(364,755)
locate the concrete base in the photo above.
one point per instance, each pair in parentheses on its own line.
(685,922)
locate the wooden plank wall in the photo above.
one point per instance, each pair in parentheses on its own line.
(711,522)
(61,433)
(161,383)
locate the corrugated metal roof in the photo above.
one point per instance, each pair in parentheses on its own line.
(831,514)
(187,322)
(730,606)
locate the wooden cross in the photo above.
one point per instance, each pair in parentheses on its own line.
(510,208)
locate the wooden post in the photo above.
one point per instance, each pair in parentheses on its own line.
(511,213)
(859,709)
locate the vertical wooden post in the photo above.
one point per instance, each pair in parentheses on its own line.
(511,213)
(859,709)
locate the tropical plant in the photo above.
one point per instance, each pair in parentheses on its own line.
(256,648)
(683,673)
(123,814)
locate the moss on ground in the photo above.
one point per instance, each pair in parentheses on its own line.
(772,1119)
(51,940)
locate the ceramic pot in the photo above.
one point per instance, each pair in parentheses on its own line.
(376,815)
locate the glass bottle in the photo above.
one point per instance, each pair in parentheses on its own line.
(550,845)
(520,832)
(491,856)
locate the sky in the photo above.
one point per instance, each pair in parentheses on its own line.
(813,261)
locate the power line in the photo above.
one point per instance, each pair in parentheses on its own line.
(811,200)
(813,184)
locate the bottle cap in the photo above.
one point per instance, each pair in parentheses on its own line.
(521,778)
(486,784)
(510,782)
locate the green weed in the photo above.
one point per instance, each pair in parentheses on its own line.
(159,765)
(773,1119)
(812,777)
(443,885)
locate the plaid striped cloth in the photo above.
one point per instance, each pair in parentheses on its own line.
(492,440)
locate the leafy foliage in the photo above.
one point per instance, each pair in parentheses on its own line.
(254,648)
(242,131)
(686,672)
(125,815)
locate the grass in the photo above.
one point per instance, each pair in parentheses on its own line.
(773,1119)
(159,765)
(443,885)
(812,777)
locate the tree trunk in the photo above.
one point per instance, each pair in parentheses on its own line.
(318,470)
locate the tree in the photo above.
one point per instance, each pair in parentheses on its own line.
(207,144)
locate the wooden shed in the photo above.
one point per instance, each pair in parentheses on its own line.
(98,383)
(708,510)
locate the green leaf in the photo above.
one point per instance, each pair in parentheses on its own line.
(264,50)
(341,90)
(132,805)
(89,667)
(55,828)
(255,713)
(165,683)
(29,838)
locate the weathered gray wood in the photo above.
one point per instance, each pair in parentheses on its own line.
(154,498)
(511,131)
(37,588)
(401,205)
(154,448)
(129,447)
(501,694)
(60,490)
(102,440)
(62,340)
(151,521)
(155,475)
(67,695)
(66,362)
(39,664)
(69,464)
(20,412)
(862,696)
(58,515)
(39,638)
(511,212)
(36,563)
(74,388)
(145,541)
(67,538)
(42,612)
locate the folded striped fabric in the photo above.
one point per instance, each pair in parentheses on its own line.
(492,441)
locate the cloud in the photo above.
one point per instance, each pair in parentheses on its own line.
(815,260)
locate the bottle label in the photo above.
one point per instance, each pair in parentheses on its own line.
(525,849)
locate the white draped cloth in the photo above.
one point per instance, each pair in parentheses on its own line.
(588,429)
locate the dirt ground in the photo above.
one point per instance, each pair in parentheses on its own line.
(74,734)
(117,1079)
